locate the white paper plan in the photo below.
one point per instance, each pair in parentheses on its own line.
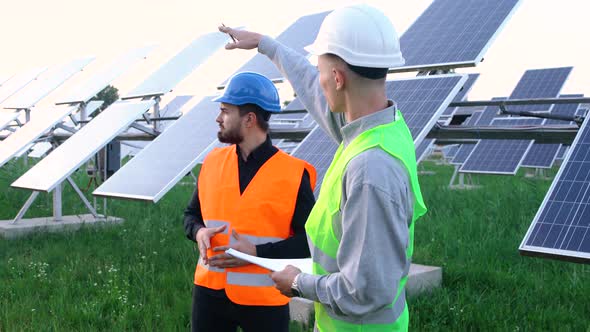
(304,264)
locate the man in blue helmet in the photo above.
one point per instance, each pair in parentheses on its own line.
(254,198)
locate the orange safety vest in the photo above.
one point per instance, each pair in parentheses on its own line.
(262,213)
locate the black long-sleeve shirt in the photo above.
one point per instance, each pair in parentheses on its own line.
(292,247)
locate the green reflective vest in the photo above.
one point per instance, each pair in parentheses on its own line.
(395,139)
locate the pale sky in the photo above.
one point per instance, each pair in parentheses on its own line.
(542,33)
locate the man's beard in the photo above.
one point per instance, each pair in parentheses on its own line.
(230,137)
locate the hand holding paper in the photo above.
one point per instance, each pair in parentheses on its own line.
(303,264)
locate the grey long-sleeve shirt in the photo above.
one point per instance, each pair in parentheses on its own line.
(376,207)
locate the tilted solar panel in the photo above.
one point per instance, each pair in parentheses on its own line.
(64,160)
(561,227)
(454,33)
(543,155)
(167,158)
(497,156)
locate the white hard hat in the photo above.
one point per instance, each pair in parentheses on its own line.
(361,35)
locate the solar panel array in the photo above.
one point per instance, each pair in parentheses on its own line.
(18,82)
(421,101)
(298,35)
(64,160)
(454,32)
(497,156)
(42,120)
(113,70)
(161,164)
(51,80)
(543,155)
(6,118)
(561,227)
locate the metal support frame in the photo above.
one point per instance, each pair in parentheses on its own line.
(156,124)
(145,129)
(464,180)
(25,207)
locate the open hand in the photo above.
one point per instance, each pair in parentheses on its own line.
(224,260)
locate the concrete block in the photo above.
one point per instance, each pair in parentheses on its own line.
(47,224)
(422,279)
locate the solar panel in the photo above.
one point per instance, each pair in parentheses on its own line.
(543,155)
(113,70)
(421,100)
(539,83)
(41,121)
(176,69)
(168,158)
(298,35)
(18,82)
(561,153)
(50,81)
(462,95)
(450,151)
(318,149)
(454,33)
(40,149)
(465,149)
(172,109)
(499,156)
(63,161)
(561,227)
(423,148)
(6,118)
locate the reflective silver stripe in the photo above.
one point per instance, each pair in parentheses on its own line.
(217,223)
(257,239)
(326,262)
(209,267)
(386,315)
(249,279)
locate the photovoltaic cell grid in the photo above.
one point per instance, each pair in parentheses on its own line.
(454,32)
(318,149)
(561,227)
(161,164)
(421,100)
(422,149)
(543,155)
(465,149)
(539,83)
(462,93)
(499,156)
(297,36)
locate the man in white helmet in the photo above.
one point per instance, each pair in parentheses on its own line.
(360,231)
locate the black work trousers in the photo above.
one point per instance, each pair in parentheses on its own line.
(214,312)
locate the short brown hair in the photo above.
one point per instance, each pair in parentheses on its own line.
(262,116)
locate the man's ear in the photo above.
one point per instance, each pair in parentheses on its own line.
(339,78)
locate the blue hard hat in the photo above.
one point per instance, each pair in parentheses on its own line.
(251,88)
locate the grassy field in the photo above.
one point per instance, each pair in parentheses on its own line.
(138,275)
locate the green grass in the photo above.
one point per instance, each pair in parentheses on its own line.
(138,275)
